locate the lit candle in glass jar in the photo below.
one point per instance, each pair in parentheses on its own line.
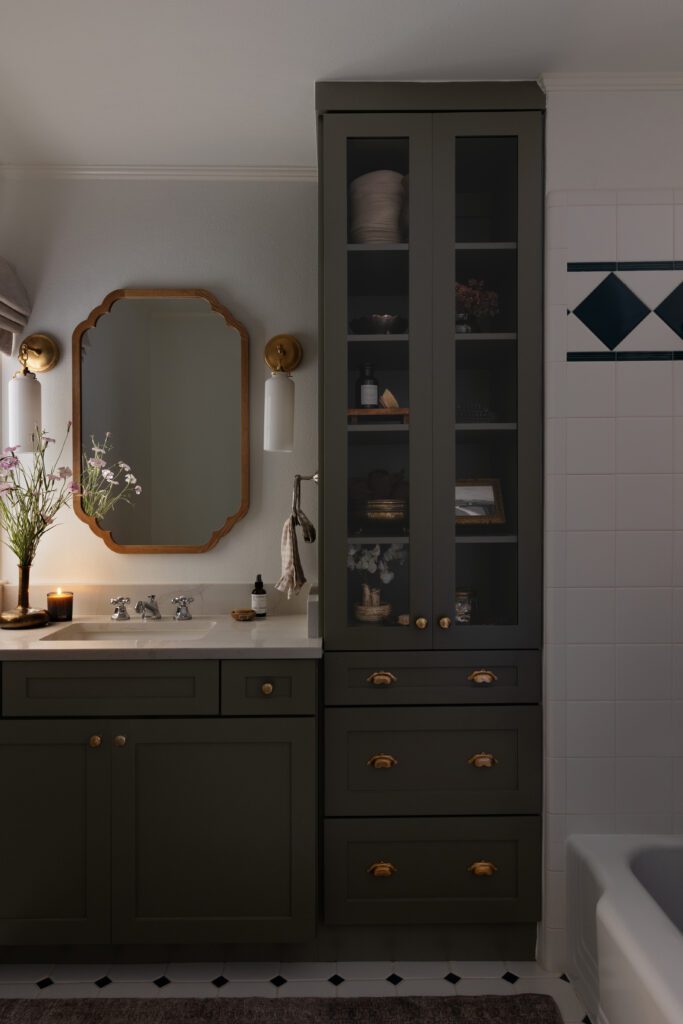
(60,605)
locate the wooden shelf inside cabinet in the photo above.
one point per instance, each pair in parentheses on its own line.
(485,246)
(377,337)
(509,538)
(377,247)
(485,336)
(360,416)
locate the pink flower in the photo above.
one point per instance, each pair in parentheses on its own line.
(46,519)
(53,476)
(73,487)
(97,463)
(64,472)
(11,449)
(6,487)
(9,462)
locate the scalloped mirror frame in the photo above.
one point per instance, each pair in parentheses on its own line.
(85,325)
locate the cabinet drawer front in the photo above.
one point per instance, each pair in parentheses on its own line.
(498,677)
(268,687)
(414,871)
(74,688)
(386,761)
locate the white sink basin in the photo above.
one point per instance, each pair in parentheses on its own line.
(135,631)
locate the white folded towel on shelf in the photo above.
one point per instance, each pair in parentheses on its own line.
(15,306)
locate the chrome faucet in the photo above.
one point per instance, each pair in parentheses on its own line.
(120,612)
(182,612)
(149,609)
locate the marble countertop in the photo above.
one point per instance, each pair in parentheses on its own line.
(218,636)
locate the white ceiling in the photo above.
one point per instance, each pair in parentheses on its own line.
(231,82)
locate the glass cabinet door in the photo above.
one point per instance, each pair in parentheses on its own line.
(377,380)
(487,379)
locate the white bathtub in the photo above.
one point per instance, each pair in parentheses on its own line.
(625,921)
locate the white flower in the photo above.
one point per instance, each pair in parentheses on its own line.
(125,466)
(130,479)
(108,475)
(138,489)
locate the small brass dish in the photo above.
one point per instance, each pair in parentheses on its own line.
(243,614)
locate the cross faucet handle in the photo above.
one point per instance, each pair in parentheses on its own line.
(182,612)
(120,611)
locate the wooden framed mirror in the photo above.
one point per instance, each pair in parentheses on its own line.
(165,372)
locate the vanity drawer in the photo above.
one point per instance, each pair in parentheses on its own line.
(412,871)
(395,761)
(268,687)
(100,688)
(504,677)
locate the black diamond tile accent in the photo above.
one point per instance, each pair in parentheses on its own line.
(220,981)
(162,982)
(510,977)
(453,978)
(103,982)
(563,977)
(278,981)
(611,311)
(586,1020)
(671,311)
(335,979)
(395,979)
(45,983)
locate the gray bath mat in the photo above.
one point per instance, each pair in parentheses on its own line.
(522,1009)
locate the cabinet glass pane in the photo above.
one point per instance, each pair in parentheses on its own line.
(485,338)
(378,394)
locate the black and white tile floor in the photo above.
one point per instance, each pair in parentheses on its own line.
(278,980)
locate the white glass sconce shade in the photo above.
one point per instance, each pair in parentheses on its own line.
(24,410)
(278,413)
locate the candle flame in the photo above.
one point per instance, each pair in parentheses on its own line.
(59,591)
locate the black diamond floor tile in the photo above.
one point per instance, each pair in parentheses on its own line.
(220,981)
(45,983)
(395,979)
(510,977)
(586,1020)
(162,982)
(611,311)
(336,979)
(563,977)
(453,978)
(103,982)
(278,981)
(671,311)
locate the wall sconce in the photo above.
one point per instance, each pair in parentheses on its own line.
(283,354)
(37,354)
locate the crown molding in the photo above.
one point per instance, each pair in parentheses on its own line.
(612,81)
(162,172)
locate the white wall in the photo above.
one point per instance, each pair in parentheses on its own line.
(614,485)
(254,245)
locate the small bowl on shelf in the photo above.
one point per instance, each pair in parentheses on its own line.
(379,323)
(243,614)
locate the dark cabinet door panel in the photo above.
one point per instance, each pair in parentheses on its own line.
(401,761)
(491,677)
(54,845)
(412,871)
(214,831)
(263,687)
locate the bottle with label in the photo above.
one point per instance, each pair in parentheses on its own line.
(367,390)
(259,599)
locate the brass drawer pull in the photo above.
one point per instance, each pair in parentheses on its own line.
(382,761)
(267,689)
(421,622)
(483,760)
(382,869)
(482,868)
(94,742)
(445,622)
(119,741)
(382,678)
(482,675)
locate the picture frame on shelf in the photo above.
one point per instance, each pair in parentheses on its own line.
(479,502)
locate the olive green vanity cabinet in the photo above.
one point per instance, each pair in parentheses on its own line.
(196,828)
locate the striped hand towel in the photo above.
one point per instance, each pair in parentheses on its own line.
(292,579)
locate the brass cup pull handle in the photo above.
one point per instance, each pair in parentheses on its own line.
(382,869)
(482,868)
(421,622)
(94,742)
(382,761)
(483,760)
(445,622)
(267,689)
(382,678)
(482,675)
(119,741)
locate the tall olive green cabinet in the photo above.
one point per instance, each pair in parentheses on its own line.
(432,247)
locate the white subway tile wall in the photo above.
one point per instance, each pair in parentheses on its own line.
(614,522)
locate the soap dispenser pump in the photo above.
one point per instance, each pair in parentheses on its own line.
(259,599)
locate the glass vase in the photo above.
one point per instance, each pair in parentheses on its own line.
(23,616)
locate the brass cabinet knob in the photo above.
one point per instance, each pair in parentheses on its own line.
(483,760)
(482,675)
(421,622)
(381,678)
(382,761)
(95,741)
(119,741)
(382,869)
(445,622)
(482,868)
(267,689)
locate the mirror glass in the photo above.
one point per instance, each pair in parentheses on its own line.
(164,373)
